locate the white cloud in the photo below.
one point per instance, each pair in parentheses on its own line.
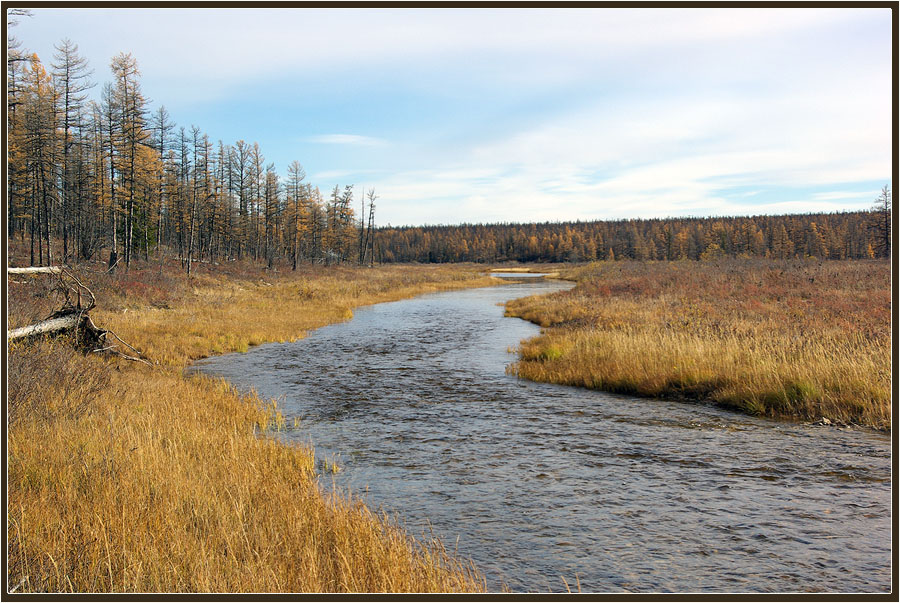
(344,175)
(603,164)
(348,139)
(867,196)
(214,45)
(677,105)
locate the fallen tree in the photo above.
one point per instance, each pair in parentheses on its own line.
(72,318)
(87,335)
(50,326)
(35,270)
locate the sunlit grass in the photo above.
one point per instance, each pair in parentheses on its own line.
(129,478)
(217,316)
(801,340)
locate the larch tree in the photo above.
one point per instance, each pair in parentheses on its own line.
(881,222)
(148,180)
(781,247)
(271,211)
(318,222)
(345,233)
(41,150)
(330,238)
(815,242)
(295,189)
(224,200)
(369,245)
(240,167)
(132,109)
(109,142)
(162,127)
(257,178)
(199,187)
(17,183)
(71,77)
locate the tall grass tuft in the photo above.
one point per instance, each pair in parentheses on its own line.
(792,339)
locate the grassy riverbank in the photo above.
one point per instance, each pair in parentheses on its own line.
(798,339)
(129,478)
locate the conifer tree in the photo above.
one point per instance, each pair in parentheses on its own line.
(881,222)
(133,133)
(70,75)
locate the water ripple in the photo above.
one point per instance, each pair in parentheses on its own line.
(540,482)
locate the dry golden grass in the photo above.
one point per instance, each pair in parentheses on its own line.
(216,316)
(130,478)
(800,340)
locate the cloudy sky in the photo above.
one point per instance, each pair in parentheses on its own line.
(522,115)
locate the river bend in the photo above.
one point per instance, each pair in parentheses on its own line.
(538,482)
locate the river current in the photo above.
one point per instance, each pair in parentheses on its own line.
(540,483)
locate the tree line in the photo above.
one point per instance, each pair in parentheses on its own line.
(87,177)
(862,234)
(90,177)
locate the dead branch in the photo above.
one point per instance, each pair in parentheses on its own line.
(129,347)
(77,289)
(132,358)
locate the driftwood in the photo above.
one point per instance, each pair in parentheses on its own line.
(72,318)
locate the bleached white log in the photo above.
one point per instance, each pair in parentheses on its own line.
(46,327)
(35,270)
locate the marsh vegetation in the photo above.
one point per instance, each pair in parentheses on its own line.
(129,478)
(798,339)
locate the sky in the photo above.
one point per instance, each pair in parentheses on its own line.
(525,115)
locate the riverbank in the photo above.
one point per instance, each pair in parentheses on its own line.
(129,478)
(799,340)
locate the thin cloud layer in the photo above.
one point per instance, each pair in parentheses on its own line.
(350,139)
(520,115)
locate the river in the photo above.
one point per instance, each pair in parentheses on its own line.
(540,483)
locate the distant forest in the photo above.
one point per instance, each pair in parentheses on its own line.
(87,178)
(828,236)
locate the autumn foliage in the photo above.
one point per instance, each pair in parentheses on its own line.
(825,236)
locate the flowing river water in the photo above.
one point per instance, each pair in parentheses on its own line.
(538,483)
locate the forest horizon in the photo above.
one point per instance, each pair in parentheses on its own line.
(569,115)
(100,169)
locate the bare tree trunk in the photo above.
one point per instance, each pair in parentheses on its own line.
(32,221)
(35,270)
(46,213)
(114,254)
(46,327)
(190,253)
